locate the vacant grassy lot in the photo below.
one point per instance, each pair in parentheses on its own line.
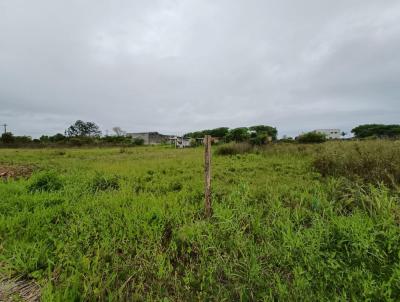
(127,224)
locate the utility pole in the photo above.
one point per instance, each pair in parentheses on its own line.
(5,127)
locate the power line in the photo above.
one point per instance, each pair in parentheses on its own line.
(5,128)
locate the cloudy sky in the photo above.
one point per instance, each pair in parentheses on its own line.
(181,65)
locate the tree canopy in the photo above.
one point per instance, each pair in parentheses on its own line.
(83,129)
(238,134)
(377,130)
(256,134)
(264,129)
(217,132)
(312,138)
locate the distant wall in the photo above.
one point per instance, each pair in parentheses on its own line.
(150,138)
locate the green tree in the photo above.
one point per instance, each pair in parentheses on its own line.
(57,138)
(83,129)
(312,138)
(238,134)
(7,138)
(266,130)
(44,139)
(218,132)
(23,139)
(258,138)
(376,130)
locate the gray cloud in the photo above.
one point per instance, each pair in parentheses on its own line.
(176,66)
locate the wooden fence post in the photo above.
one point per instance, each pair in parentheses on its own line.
(207,174)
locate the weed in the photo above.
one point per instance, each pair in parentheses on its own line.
(175,186)
(371,161)
(45,182)
(101,182)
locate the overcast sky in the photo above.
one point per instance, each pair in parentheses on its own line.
(181,65)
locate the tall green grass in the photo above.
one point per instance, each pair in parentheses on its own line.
(280,231)
(375,162)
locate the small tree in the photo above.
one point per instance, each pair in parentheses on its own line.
(44,139)
(312,138)
(57,138)
(238,134)
(7,138)
(265,130)
(22,139)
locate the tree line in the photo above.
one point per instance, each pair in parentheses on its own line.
(78,134)
(88,133)
(257,135)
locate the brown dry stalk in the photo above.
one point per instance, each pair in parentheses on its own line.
(26,290)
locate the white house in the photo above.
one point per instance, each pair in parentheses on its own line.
(330,133)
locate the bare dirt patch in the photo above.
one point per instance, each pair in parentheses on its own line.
(15,172)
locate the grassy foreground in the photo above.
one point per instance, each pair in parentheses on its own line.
(127,224)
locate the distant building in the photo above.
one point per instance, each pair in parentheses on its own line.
(150,138)
(180,142)
(330,133)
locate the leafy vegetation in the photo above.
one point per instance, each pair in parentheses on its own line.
(373,161)
(83,129)
(45,182)
(101,182)
(257,135)
(376,130)
(311,138)
(280,230)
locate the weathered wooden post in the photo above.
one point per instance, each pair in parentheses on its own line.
(207,174)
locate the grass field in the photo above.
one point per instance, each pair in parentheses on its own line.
(127,224)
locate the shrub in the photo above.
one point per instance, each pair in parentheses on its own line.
(368,161)
(236,148)
(45,182)
(311,138)
(81,140)
(175,186)
(258,139)
(138,141)
(101,182)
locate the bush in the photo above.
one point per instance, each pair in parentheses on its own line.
(138,141)
(368,161)
(258,139)
(103,183)
(311,138)
(45,182)
(236,148)
(175,186)
(80,141)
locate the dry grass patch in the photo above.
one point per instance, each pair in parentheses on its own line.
(19,290)
(8,171)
